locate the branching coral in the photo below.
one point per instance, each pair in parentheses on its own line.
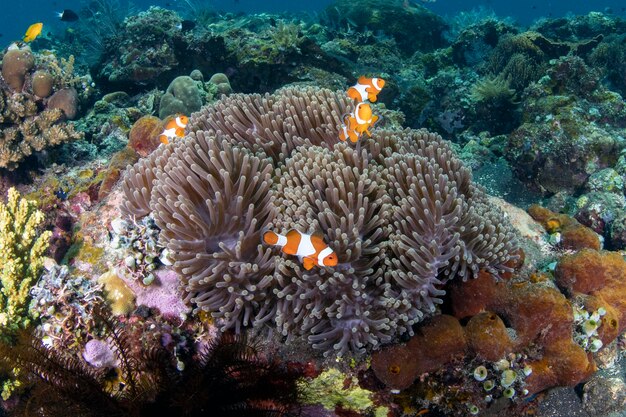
(399,210)
(31,131)
(21,257)
(25,127)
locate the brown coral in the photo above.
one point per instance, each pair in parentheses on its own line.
(144,135)
(42,84)
(66,100)
(16,63)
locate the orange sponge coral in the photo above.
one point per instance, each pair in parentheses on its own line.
(487,336)
(540,316)
(438,341)
(601,275)
(574,235)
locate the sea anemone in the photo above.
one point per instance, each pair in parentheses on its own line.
(399,209)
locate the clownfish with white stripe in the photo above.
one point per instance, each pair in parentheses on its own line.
(175,128)
(358,122)
(366,89)
(311,249)
(348,134)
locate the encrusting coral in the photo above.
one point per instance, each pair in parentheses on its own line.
(22,247)
(399,210)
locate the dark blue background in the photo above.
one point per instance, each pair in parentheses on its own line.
(17,15)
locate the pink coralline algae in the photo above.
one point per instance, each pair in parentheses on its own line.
(162,293)
(99,354)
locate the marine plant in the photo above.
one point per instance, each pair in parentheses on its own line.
(400,211)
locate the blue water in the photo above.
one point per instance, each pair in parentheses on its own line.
(15,19)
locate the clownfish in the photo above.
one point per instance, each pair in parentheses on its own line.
(32,32)
(175,128)
(311,249)
(348,134)
(366,89)
(361,119)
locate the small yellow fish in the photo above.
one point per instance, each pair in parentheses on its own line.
(33,31)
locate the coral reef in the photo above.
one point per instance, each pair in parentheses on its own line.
(401,213)
(568,113)
(394,19)
(146,51)
(148,313)
(30,121)
(515,337)
(535,359)
(182,96)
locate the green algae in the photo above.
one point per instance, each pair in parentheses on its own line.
(332,389)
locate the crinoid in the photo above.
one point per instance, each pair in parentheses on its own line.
(227,378)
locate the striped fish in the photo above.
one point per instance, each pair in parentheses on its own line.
(311,249)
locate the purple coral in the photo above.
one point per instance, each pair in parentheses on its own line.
(99,354)
(162,294)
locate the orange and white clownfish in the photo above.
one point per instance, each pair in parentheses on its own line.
(175,128)
(366,89)
(348,134)
(361,119)
(311,249)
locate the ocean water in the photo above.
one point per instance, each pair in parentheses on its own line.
(15,20)
(167,186)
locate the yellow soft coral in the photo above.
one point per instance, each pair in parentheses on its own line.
(21,257)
